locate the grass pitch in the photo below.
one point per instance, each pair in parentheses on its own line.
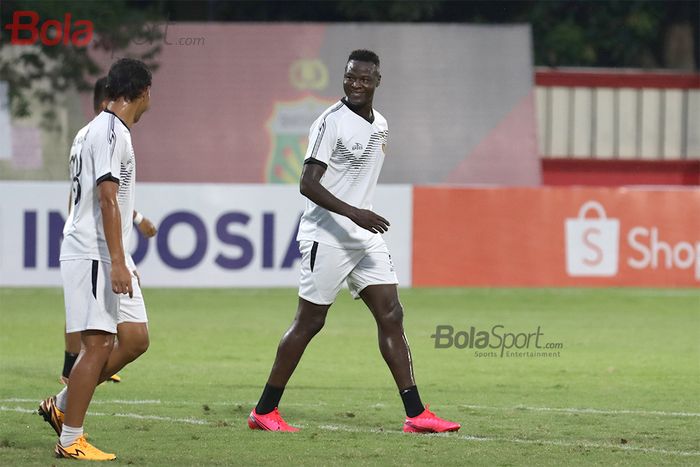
(624,389)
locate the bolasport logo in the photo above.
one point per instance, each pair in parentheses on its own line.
(27,28)
(593,246)
(497,342)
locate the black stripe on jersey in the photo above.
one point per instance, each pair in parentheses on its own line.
(322,130)
(94,278)
(316,161)
(318,139)
(314,249)
(111,137)
(108,177)
(112,113)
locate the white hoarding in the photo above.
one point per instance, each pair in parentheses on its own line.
(210,235)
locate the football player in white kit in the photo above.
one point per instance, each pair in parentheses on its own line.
(94,266)
(145,226)
(340,241)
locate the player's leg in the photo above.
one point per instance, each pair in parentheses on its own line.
(132,342)
(97,346)
(91,308)
(383,301)
(308,321)
(323,270)
(70,354)
(132,330)
(374,280)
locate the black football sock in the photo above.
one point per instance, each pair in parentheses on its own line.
(411,401)
(269,400)
(68,362)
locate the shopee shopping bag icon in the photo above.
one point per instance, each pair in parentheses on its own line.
(592,244)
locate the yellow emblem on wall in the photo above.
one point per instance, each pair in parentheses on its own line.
(308,74)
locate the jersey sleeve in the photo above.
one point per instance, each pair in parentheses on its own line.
(107,149)
(322,138)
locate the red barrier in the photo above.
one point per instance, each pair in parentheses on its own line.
(615,172)
(556,237)
(617,79)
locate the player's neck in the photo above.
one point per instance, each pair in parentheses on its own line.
(364,111)
(126,111)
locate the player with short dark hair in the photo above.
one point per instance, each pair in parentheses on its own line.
(340,241)
(94,266)
(145,226)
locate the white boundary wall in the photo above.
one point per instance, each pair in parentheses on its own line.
(211,235)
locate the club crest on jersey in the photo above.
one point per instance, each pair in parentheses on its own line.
(357,147)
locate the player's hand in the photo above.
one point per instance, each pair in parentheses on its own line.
(121,279)
(369,220)
(138,278)
(147,228)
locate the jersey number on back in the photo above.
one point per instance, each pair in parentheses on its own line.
(76,167)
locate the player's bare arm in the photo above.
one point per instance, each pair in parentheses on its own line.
(311,187)
(145,225)
(121,278)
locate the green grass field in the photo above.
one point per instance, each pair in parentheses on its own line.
(625,389)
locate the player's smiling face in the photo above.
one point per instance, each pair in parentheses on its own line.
(359,82)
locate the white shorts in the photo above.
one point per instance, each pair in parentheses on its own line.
(90,302)
(324,268)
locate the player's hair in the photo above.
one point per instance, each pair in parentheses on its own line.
(127,78)
(362,55)
(99,94)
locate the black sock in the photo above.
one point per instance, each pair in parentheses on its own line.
(411,401)
(68,362)
(269,400)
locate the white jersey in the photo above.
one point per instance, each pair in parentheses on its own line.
(101,151)
(352,150)
(74,154)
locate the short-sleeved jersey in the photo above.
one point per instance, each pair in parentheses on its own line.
(73,156)
(352,150)
(101,151)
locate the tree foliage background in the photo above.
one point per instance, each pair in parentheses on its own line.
(599,33)
(36,72)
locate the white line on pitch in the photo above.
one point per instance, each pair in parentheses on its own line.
(586,410)
(347,429)
(585,444)
(96,401)
(191,421)
(574,410)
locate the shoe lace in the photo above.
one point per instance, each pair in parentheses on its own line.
(278,417)
(87,447)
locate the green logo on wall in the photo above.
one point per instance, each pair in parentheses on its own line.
(288,127)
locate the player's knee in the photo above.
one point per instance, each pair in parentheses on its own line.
(312,324)
(100,345)
(142,345)
(138,346)
(393,315)
(96,354)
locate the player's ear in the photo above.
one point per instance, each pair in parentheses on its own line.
(379,79)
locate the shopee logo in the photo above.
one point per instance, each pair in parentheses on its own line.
(592,247)
(50,32)
(655,252)
(592,244)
